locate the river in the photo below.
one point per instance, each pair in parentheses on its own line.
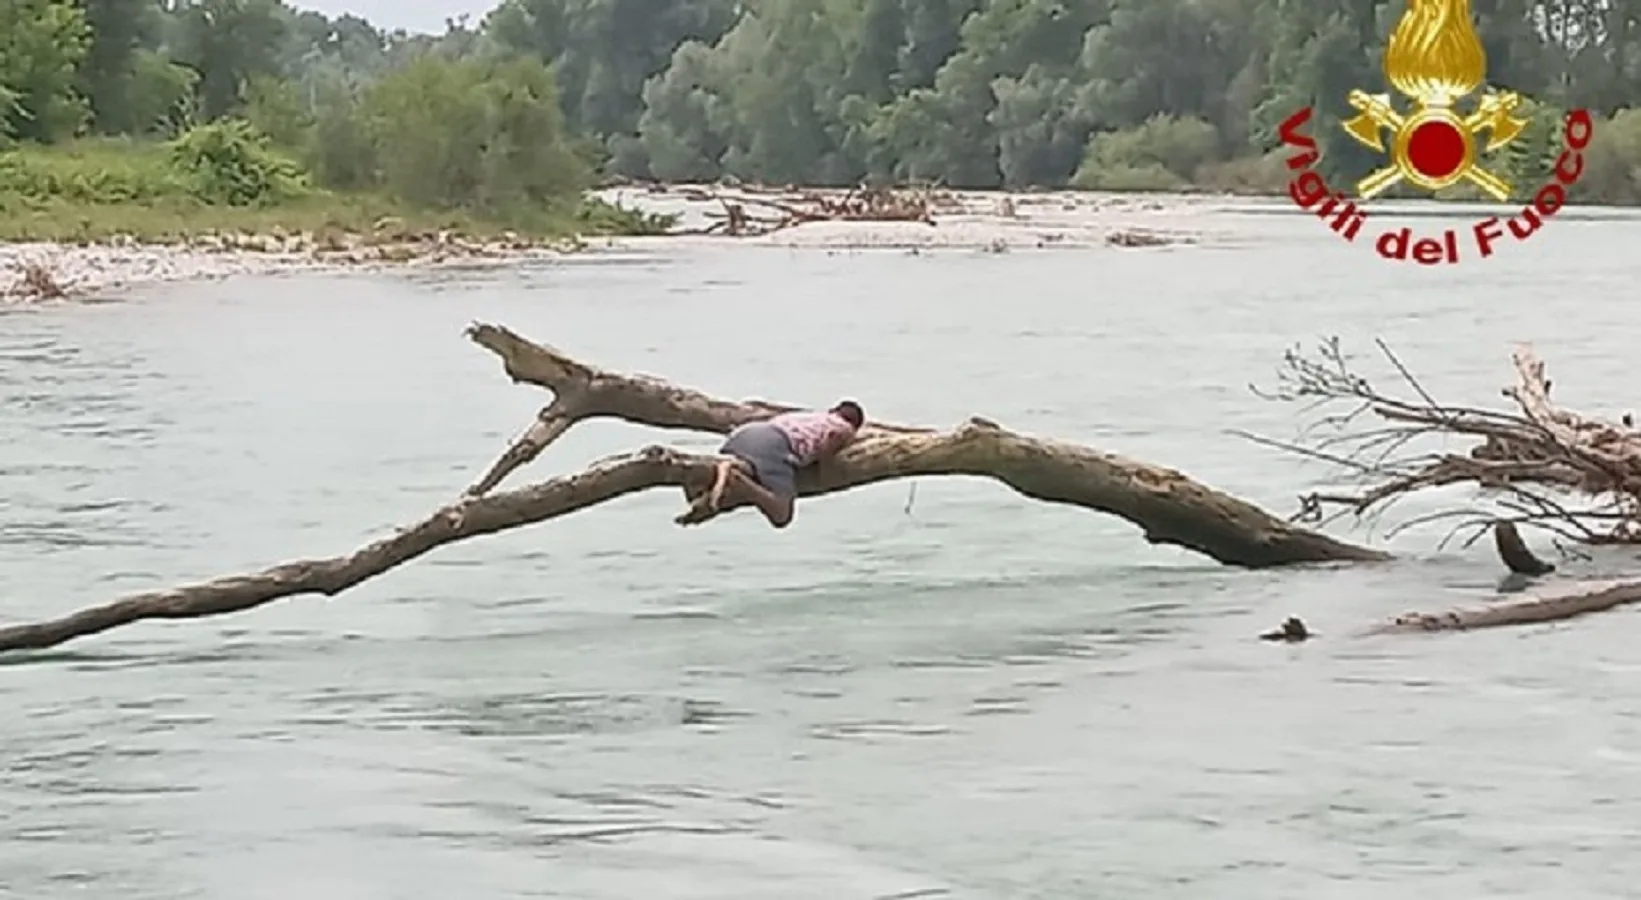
(957,695)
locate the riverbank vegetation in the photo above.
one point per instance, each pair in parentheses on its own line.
(165,120)
(175,114)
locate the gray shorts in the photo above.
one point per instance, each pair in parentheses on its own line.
(770,453)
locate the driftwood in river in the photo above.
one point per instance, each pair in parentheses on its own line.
(1573,475)
(1169,507)
(746,215)
(1515,555)
(1548,602)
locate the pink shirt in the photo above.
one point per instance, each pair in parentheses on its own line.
(809,433)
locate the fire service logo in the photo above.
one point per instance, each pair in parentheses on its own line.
(1434,60)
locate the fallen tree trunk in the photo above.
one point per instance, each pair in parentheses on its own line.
(1168,506)
(1548,604)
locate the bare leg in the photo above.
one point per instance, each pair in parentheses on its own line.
(720,480)
(733,485)
(741,488)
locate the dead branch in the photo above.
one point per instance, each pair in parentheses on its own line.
(1553,603)
(467,518)
(1550,603)
(1171,508)
(35,281)
(1576,476)
(747,215)
(1167,505)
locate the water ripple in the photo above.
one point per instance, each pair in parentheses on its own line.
(975,698)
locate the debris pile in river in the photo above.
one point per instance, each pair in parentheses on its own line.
(747,215)
(1575,475)
(34,281)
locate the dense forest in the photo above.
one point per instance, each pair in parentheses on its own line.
(542,96)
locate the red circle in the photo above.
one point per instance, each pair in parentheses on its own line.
(1436,148)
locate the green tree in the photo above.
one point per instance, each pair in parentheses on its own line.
(456,134)
(117,30)
(161,95)
(604,51)
(229,42)
(42,44)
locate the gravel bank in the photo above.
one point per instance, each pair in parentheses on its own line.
(959,220)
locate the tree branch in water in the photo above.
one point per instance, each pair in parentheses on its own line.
(1575,476)
(1548,604)
(1169,507)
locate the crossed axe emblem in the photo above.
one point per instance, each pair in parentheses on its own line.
(1376,116)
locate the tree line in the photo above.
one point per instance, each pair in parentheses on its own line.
(540,96)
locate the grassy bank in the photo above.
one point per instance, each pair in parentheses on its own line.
(154,192)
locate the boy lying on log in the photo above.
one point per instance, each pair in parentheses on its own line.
(763,458)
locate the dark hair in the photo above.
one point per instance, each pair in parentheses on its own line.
(851,410)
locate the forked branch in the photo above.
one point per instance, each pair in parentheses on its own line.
(1169,507)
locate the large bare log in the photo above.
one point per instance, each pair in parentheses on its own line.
(1168,506)
(1172,508)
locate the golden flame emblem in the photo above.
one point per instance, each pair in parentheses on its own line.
(1434,59)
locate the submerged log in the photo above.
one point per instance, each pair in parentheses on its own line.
(1548,604)
(1513,551)
(1169,507)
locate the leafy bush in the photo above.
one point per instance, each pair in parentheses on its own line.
(1129,178)
(229,161)
(598,217)
(1612,162)
(1164,153)
(1259,175)
(486,135)
(90,172)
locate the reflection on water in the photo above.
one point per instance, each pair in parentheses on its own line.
(965,697)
